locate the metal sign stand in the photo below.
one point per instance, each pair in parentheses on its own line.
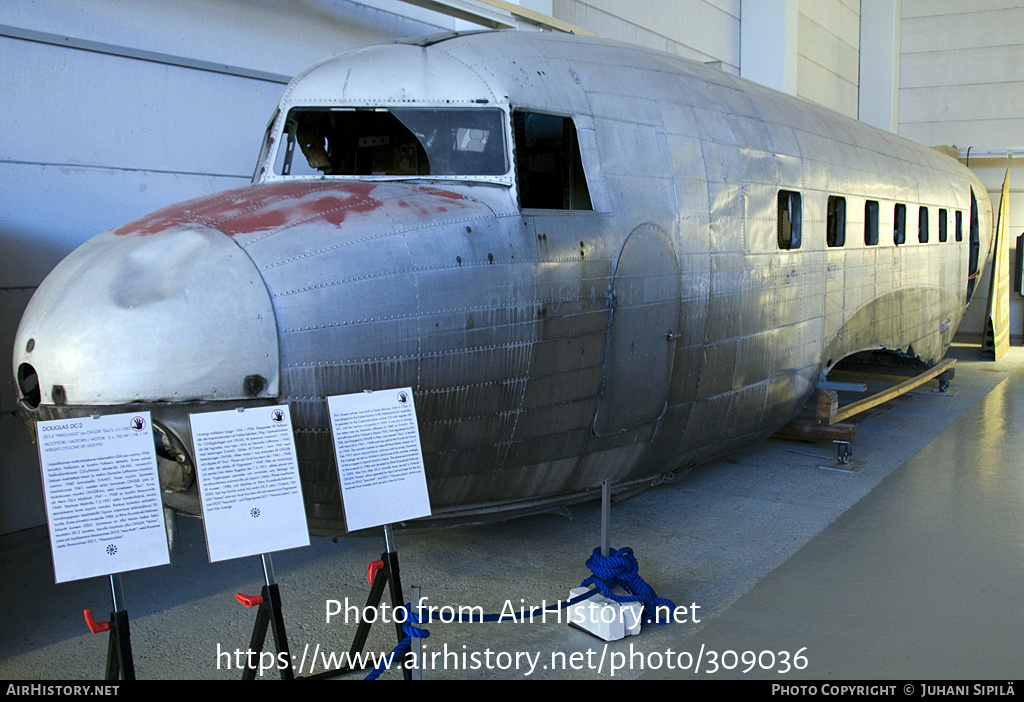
(269,601)
(120,664)
(382,573)
(390,556)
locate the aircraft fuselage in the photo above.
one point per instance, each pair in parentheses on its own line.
(589,261)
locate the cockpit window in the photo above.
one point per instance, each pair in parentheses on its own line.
(548,164)
(393,142)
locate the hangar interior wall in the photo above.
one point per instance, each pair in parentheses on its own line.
(113,109)
(808,49)
(962,84)
(701,30)
(828,53)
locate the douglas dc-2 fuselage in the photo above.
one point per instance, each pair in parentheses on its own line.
(590,261)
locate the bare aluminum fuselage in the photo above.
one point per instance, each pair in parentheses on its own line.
(549,348)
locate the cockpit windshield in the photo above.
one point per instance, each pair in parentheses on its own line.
(396,142)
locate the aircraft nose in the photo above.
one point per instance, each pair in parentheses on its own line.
(179,314)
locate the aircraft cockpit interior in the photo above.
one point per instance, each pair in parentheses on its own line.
(439,142)
(393,142)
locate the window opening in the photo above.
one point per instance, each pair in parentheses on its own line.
(959,226)
(789,219)
(835,226)
(922,225)
(899,230)
(549,168)
(943,226)
(393,142)
(871,223)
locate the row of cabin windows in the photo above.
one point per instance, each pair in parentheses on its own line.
(790,215)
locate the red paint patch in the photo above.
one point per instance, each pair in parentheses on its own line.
(446,194)
(275,206)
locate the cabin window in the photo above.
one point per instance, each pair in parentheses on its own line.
(871,223)
(959,226)
(549,168)
(349,141)
(835,226)
(899,225)
(943,225)
(789,219)
(922,225)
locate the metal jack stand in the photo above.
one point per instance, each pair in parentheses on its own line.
(603,617)
(606,517)
(269,601)
(120,665)
(381,573)
(844,463)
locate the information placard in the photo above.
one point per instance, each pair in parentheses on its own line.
(102,495)
(380,463)
(248,482)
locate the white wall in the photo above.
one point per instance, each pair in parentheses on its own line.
(880,63)
(805,48)
(702,30)
(769,43)
(962,84)
(828,57)
(808,48)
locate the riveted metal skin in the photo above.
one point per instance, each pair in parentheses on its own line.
(548,349)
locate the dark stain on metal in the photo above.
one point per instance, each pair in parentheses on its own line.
(254,385)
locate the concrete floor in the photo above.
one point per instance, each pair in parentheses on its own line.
(909,568)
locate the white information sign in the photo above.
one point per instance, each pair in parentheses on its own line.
(248,482)
(380,463)
(102,495)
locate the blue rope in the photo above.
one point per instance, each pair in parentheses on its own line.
(620,569)
(413,630)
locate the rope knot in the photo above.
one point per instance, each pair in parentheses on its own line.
(411,629)
(621,569)
(413,626)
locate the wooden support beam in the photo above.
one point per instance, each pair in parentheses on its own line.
(805,430)
(828,405)
(867,403)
